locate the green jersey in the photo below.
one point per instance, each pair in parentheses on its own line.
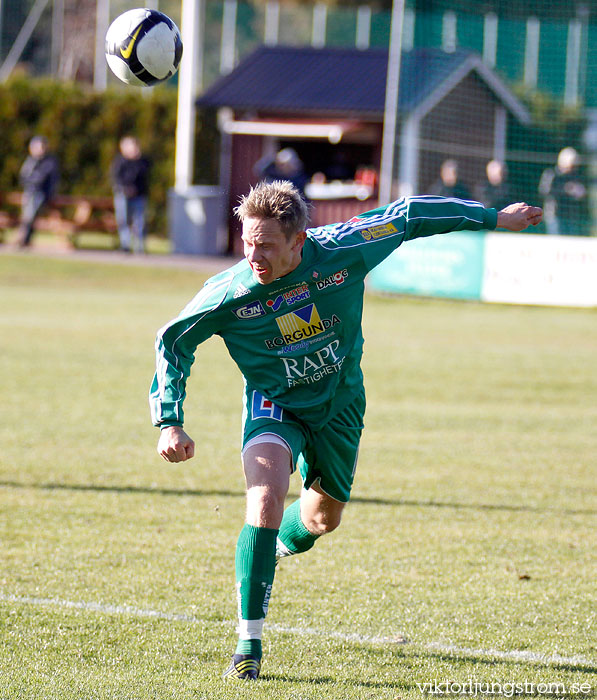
(298,340)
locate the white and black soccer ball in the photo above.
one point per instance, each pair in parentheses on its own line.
(143,47)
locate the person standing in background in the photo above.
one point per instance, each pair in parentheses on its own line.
(565,196)
(449,184)
(285,165)
(39,178)
(497,191)
(130,181)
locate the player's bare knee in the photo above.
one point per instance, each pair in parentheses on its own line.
(265,498)
(265,506)
(323,522)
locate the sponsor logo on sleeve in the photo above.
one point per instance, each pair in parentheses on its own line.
(248,311)
(300,324)
(265,408)
(336,279)
(375,232)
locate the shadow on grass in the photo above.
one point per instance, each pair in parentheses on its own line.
(357,500)
(461,657)
(336,683)
(509,507)
(115,488)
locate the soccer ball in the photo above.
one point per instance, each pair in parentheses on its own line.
(143,47)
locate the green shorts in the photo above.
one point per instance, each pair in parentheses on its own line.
(328,454)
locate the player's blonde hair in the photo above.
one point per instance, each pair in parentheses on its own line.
(279,200)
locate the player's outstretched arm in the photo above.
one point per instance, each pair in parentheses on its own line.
(175,445)
(517,217)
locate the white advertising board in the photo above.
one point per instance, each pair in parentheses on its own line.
(542,270)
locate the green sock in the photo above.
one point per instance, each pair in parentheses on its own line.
(255,568)
(249,646)
(293,537)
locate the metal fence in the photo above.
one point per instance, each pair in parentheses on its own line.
(557,57)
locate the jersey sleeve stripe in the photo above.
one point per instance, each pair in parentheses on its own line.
(444,200)
(444,218)
(336,232)
(400,213)
(360,243)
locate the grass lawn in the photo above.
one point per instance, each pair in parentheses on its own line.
(468,554)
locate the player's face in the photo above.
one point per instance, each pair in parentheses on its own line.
(270,253)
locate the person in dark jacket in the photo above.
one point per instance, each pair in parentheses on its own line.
(285,165)
(39,177)
(130,182)
(566,196)
(497,192)
(450,184)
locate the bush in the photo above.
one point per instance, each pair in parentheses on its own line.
(83,129)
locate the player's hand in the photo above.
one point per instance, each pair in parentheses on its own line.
(517,217)
(175,445)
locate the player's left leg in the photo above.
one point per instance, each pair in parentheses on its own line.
(327,466)
(320,513)
(314,514)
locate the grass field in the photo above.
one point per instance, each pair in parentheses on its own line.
(468,554)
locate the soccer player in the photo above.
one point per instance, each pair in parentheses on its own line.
(290,316)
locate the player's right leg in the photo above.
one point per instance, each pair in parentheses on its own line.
(267,462)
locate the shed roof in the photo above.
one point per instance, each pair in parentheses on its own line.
(350,82)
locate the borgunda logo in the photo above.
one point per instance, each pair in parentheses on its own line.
(300,324)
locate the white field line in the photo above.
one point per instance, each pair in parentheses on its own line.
(104,609)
